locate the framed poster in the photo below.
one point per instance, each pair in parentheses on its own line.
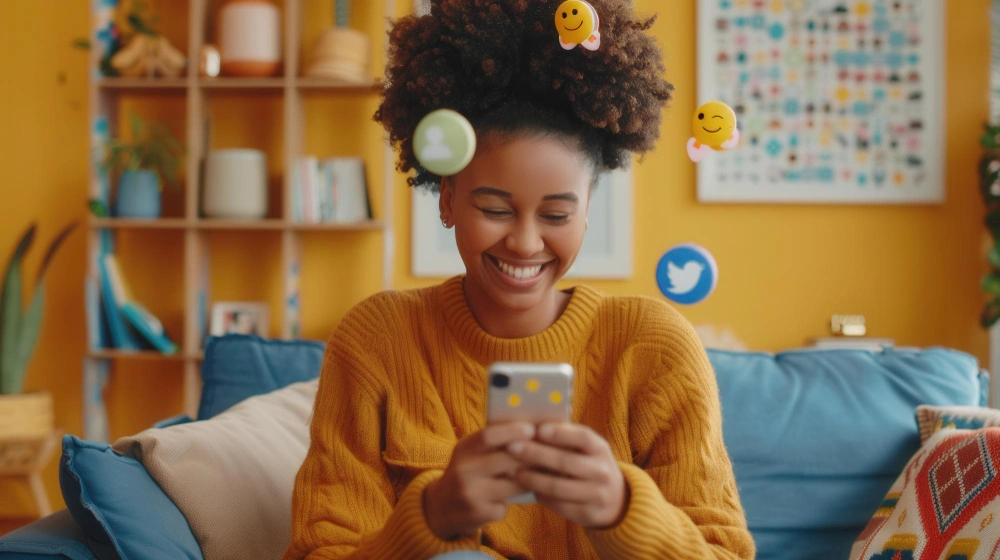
(838,101)
(607,246)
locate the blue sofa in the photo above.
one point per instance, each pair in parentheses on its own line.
(816,437)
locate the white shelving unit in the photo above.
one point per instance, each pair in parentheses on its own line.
(105,94)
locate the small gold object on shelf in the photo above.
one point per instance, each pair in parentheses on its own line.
(848,325)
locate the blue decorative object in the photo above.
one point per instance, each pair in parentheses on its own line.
(139,195)
(687,274)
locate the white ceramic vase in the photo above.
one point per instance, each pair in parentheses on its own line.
(249,37)
(235,184)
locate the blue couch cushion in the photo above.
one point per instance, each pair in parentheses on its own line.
(55,536)
(237,367)
(119,507)
(817,437)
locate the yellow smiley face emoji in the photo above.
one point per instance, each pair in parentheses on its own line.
(576,22)
(713,124)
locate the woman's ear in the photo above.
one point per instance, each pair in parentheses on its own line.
(446,197)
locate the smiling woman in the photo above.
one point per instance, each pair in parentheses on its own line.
(405,467)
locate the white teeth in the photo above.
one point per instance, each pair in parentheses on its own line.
(520,273)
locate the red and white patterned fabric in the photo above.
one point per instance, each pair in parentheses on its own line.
(944,506)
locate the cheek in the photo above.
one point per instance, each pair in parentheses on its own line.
(565,242)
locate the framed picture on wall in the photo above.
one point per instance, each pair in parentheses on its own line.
(837,101)
(607,246)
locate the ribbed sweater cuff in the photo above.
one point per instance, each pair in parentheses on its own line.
(651,527)
(406,533)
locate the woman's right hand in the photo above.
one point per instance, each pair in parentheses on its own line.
(477,483)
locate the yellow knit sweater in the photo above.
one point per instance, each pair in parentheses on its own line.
(404,378)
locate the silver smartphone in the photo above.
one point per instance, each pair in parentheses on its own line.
(529,392)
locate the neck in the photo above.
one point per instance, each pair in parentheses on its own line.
(505,323)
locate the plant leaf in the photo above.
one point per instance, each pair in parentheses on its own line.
(991,284)
(10,312)
(81,43)
(991,312)
(994,256)
(53,247)
(31,325)
(136,127)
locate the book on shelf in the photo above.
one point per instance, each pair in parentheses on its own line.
(331,190)
(129,321)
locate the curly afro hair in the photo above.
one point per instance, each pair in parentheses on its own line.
(499,63)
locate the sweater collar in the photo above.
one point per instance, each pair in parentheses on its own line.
(575,323)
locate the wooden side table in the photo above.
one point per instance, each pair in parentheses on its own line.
(25,457)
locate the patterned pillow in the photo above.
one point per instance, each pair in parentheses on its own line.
(934,418)
(945,505)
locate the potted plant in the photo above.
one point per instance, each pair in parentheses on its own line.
(151,154)
(23,414)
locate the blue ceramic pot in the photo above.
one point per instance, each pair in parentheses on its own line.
(139,195)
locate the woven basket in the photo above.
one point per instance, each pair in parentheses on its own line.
(25,456)
(27,415)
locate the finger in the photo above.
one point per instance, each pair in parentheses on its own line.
(560,461)
(558,488)
(574,436)
(499,435)
(495,464)
(501,489)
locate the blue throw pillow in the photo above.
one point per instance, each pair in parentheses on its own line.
(119,507)
(55,536)
(238,367)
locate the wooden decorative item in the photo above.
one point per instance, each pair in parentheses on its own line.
(148,56)
(26,415)
(250,38)
(341,53)
(25,458)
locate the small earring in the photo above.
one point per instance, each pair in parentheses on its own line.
(444,223)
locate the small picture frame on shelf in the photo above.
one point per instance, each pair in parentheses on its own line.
(240,317)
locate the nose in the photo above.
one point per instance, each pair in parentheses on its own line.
(525,239)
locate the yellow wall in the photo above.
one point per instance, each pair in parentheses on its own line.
(913,271)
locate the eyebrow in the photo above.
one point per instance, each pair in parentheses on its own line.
(492,191)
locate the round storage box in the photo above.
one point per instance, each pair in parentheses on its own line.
(235,184)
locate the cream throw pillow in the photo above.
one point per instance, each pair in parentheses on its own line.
(232,476)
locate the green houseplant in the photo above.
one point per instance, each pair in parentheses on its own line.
(152,153)
(23,414)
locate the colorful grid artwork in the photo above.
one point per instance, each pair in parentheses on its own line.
(837,101)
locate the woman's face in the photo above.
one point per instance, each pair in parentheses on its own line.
(519,211)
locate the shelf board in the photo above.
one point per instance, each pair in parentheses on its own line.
(233,225)
(143,355)
(142,83)
(316,84)
(281,225)
(128,223)
(242,83)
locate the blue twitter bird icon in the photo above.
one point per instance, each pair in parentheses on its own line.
(687,274)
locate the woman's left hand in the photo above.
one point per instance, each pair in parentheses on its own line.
(573,472)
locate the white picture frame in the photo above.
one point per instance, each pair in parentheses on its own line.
(607,246)
(858,163)
(240,317)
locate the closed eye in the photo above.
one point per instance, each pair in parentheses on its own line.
(491,213)
(557,219)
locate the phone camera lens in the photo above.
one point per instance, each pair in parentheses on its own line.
(501,380)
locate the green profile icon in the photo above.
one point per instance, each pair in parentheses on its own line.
(444,142)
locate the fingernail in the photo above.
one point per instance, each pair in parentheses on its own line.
(529,430)
(516,448)
(546,431)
